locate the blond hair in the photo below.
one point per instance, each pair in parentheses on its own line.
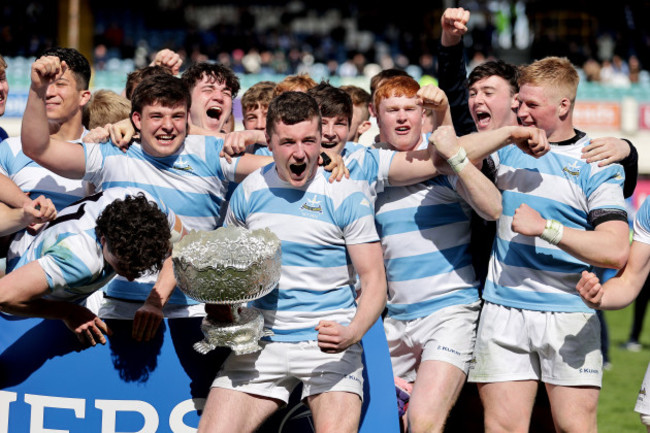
(554,73)
(294,83)
(105,107)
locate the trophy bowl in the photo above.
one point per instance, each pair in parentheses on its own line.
(228,266)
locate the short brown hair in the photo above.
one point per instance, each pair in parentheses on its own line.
(396,86)
(134,78)
(105,106)
(3,63)
(291,108)
(360,98)
(556,73)
(258,95)
(165,89)
(294,83)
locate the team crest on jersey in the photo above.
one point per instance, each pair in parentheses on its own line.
(572,169)
(181,164)
(312,207)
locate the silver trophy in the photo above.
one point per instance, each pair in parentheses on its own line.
(228,267)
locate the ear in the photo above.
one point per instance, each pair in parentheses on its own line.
(514,105)
(136,119)
(363,127)
(268,141)
(564,107)
(84,97)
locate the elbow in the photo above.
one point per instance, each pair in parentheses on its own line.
(619,258)
(497,210)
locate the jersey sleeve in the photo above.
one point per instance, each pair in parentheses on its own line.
(356,218)
(642,223)
(72,262)
(237,209)
(94,163)
(604,188)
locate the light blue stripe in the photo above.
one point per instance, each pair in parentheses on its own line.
(424,308)
(418,218)
(182,202)
(550,164)
(612,174)
(537,258)
(427,265)
(292,335)
(537,301)
(323,256)
(304,300)
(133,290)
(547,207)
(286,201)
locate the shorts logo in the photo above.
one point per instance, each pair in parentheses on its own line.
(312,206)
(572,169)
(353,377)
(448,349)
(588,371)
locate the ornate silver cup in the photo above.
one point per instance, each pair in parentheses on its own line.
(229,267)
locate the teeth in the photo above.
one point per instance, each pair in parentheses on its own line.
(165,137)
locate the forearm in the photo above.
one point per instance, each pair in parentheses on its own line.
(35,132)
(602,248)
(10,194)
(43,308)
(482,144)
(164,287)
(11,220)
(409,168)
(631,166)
(452,74)
(480,193)
(371,303)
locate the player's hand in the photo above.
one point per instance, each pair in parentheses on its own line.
(97,135)
(531,140)
(590,289)
(334,337)
(88,328)
(38,211)
(432,98)
(606,150)
(169,59)
(444,141)
(45,71)
(236,142)
(527,221)
(122,134)
(336,166)
(454,25)
(146,322)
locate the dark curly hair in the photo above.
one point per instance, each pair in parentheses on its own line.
(136,233)
(222,74)
(76,61)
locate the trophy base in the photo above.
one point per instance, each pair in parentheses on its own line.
(241,336)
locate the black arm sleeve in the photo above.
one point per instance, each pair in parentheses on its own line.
(631,166)
(452,75)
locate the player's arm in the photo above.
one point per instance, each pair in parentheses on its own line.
(33,212)
(473,186)
(618,292)
(607,246)
(367,259)
(10,194)
(147,318)
(530,140)
(62,157)
(20,293)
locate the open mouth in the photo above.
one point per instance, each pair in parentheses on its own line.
(328,145)
(165,138)
(214,112)
(298,169)
(483,119)
(403,129)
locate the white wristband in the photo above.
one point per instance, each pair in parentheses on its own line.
(553,232)
(459,160)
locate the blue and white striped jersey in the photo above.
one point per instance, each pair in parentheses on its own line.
(193,182)
(314,223)
(527,272)
(69,250)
